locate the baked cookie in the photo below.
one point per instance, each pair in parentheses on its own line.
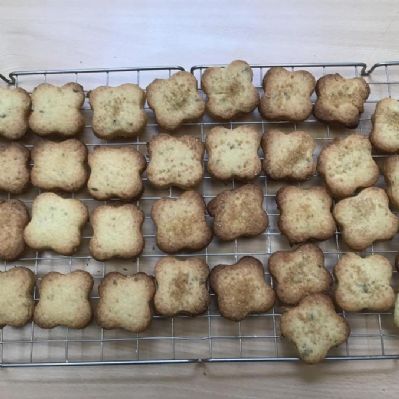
(180,223)
(230,90)
(59,165)
(305,214)
(287,95)
(340,101)
(288,156)
(14,112)
(117,232)
(14,171)
(181,286)
(365,218)
(390,169)
(385,132)
(233,153)
(125,302)
(118,112)
(314,327)
(238,213)
(175,161)
(347,165)
(364,283)
(116,172)
(16,297)
(13,219)
(56,224)
(175,100)
(241,289)
(299,272)
(64,300)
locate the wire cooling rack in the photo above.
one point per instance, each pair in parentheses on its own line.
(209,337)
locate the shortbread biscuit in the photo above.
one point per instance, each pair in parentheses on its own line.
(238,213)
(391,174)
(117,232)
(116,172)
(14,112)
(305,213)
(16,297)
(241,289)
(233,153)
(64,300)
(365,218)
(118,112)
(13,219)
(340,101)
(364,283)
(385,132)
(299,272)
(230,90)
(56,224)
(314,327)
(347,165)
(288,156)
(175,100)
(287,95)
(180,223)
(181,286)
(14,171)
(125,302)
(59,165)
(175,161)
(56,110)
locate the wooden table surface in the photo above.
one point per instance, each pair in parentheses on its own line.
(72,33)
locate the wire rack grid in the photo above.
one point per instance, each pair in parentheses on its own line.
(209,337)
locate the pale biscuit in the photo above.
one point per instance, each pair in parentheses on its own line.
(175,161)
(391,174)
(181,286)
(64,300)
(365,218)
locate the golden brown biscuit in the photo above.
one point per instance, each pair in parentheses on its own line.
(391,174)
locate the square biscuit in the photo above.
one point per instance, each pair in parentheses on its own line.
(118,112)
(56,110)
(390,170)
(117,232)
(175,161)
(15,107)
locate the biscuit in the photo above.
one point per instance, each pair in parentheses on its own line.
(118,112)
(365,218)
(305,214)
(385,120)
(298,273)
(340,101)
(59,165)
(180,223)
(288,156)
(125,301)
(241,289)
(14,171)
(238,213)
(56,110)
(314,327)
(117,232)
(287,95)
(347,165)
(364,283)
(396,312)
(16,297)
(64,300)
(181,286)
(56,224)
(175,161)
(116,172)
(230,90)
(233,153)
(390,169)
(175,100)
(13,219)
